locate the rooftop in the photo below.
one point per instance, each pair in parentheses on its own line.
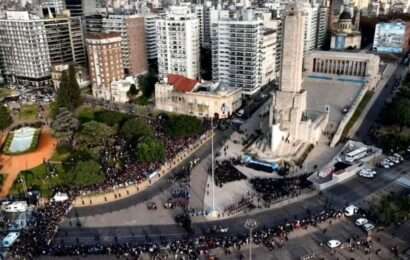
(101,36)
(181,83)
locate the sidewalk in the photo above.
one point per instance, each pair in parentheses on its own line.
(87,200)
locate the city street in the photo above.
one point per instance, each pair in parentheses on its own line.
(353,191)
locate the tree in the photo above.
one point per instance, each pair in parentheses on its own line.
(69,93)
(132,92)
(147,83)
(64,126)
(110,118)
(93,137)
(5,118)
(183,126)
(401,113)
(85,173)
(1,180)
(150,150)
(136,128)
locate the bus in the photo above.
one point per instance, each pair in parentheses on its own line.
(356,154)
(260,165)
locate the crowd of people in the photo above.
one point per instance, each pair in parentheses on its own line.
(120,163)
(225,172)
(35,241)
(273,189)
(120,168)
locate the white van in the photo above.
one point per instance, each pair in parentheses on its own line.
(16,206)
(9,240)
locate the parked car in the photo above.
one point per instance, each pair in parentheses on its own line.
(361,221)
(151,205)
(333,243)
(368,227)
(351,210)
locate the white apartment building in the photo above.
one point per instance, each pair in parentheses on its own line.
(24,50)
(178,43)
(29,46)
(322,24)
(311,11)
(151,36)
(243,50)
(198,10)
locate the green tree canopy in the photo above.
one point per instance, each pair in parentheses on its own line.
(5,118)
(150,150)
(147,83)
(69,93)
(132,92)
(136,128)
(110,118)
(400,112)
(183,126)
(65,125)
(93,136)
(85,173)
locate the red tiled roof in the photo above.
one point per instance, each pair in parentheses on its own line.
(181,83)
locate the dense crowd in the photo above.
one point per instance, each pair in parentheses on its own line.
(121,166)
(273,189)
(225,172)
(35,241)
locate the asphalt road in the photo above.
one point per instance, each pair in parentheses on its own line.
(352,191)
(378,105)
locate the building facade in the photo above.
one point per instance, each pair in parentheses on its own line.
(27,40)
(392,37)
(345,66)
(243,51)
(105,62)
(151,37)
(346,35)
(177,94)
(131,28)
(25,57)
(178,43)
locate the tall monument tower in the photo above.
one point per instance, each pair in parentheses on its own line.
(291,126)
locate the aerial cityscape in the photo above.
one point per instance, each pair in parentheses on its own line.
(213,129)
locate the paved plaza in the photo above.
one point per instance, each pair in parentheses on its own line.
(335,94)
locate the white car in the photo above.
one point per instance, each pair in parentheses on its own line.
(16,206)
(333,243)
(398,156)
(9,240)
(385,165)
(351,210)
(361,221)
(387,161)
(368,175)
(60,197)
(368,226)
(394,159)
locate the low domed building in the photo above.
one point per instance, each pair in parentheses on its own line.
(346,34)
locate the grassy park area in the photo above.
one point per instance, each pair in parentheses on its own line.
(28,112)
(359,110)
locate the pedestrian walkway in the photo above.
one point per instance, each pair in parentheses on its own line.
(88,200)
(12,165)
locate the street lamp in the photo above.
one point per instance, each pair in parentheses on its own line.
(214,212)
(250,224)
